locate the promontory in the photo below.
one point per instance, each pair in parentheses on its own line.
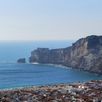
(85,54)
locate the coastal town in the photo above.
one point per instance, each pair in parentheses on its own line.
(73,92)
(50,50)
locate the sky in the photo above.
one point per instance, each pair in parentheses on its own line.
(49,19)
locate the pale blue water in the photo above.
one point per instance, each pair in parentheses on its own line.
(11,51)
(18,75)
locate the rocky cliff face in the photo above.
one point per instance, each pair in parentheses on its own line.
(86,54)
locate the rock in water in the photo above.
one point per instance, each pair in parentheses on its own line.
(21,60)
(86,54)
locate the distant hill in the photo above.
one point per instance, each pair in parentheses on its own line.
(86,54)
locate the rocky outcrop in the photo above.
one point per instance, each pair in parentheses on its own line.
(86,54)
(21,60)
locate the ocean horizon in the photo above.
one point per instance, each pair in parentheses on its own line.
(15,75)
(10,51)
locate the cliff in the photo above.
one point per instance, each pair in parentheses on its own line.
(86,54)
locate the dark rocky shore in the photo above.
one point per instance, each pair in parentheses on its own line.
(76,92)
(21,60)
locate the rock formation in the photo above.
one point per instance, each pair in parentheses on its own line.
(86,54)
(21,60)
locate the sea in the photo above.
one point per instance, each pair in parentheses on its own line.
(14,75)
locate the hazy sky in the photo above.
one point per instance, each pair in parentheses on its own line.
(49,19)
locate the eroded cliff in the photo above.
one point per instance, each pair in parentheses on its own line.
(86,54)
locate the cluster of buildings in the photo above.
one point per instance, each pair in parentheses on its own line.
(75,92)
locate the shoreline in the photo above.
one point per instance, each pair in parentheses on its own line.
(86,91)
(30,86)
(67,67)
